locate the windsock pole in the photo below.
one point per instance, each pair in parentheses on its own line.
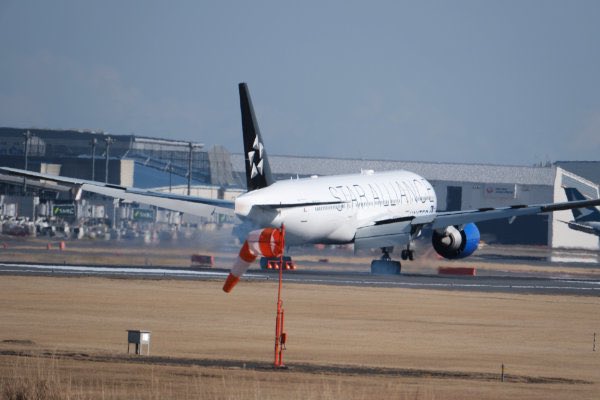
(280,335)
(268,242)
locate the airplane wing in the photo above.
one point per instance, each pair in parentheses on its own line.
(394,231)
(447,218)
(188,204)
(586,227)
(443,219)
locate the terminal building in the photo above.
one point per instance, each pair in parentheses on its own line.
(163,164)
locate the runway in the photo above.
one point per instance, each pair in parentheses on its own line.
(492,283)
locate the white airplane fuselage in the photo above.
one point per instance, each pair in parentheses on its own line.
(356,200)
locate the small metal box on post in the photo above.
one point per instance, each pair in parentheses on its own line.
(139,338)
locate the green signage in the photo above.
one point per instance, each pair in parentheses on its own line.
(142,214)
(63,210)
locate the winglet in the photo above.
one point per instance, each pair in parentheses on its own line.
(258,170)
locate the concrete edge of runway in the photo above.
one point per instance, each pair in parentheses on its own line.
(488,283)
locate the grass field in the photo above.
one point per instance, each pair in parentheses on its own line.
(67,337)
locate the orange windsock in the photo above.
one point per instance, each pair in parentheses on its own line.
(268,242)
(230,282)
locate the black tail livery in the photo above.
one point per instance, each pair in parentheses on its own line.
(258,170)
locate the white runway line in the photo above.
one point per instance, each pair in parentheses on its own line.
(75,269)
(444,285)
(132,271)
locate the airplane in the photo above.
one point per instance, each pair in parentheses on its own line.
(369,210)
(587,219)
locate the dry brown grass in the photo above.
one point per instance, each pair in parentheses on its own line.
(76,333)
(81,380)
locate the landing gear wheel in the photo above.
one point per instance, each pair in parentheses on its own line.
(385,267)
(408,254)
(386,255)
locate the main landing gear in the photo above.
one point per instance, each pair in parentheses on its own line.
(407,254)
(386,266)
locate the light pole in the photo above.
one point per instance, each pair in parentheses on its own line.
(191,146)
(27,136)
(108,141)
(94,143)
(171,174)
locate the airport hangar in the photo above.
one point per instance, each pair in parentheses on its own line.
(163,164)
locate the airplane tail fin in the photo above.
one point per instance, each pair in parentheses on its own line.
(586,214)
(258,170)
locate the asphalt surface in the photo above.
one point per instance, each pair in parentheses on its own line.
(488,283)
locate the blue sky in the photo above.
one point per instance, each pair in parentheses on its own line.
(504,82)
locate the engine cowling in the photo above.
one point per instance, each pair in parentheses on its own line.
(453,243)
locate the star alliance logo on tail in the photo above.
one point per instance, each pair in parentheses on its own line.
(255,158)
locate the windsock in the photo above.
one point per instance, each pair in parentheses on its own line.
(267,242)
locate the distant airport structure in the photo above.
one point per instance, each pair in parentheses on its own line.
(184,167)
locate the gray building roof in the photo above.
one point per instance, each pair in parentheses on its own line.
(480,173)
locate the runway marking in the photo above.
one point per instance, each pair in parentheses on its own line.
(587,282)
(80,268)
(443,285)
(75,269)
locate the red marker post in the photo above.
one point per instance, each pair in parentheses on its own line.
(280,335)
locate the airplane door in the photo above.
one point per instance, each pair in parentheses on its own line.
(304,216)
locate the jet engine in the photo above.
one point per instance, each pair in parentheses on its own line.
(453,243)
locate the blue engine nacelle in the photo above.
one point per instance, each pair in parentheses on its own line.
(453,243)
